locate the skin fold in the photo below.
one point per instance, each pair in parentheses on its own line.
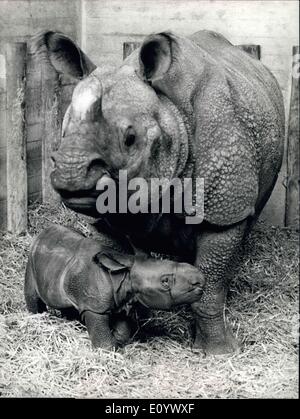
(66,270)
(195,107)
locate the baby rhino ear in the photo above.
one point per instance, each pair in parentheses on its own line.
(113,261)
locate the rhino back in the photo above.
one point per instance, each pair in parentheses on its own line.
(65,272)
(238,62)
(240,131)
(50,254)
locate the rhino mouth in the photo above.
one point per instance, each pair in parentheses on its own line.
(83,202)
(80,196)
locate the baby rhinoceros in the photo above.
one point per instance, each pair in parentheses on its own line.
(67,270)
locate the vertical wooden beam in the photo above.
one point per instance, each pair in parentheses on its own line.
(254,50)
(51,90)
(16,138)
(292,190)
(129,47)
(82,25)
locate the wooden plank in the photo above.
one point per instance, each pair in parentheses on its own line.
(134,9)
(3,181)
(254,50)
(34,132)
(51,89)
(292,190)
(106,59)
(2,128)
(110,44)
(22,28)
(34,114)
(16,138)
(186,17)
(33,92)
(129,47)
(34,158)
(2,66)
(35,184)
(34,168)
(34,151)
(2,100)
(53,9)
(3,215)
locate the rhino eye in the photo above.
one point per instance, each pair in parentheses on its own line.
(166,281)
(130,137)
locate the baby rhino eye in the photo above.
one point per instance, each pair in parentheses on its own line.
(130,137)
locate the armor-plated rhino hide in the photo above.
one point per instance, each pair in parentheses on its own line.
(177,107)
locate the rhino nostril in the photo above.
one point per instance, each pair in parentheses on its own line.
(96,165)
(196,281)
(198,291)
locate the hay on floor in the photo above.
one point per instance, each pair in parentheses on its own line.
(45,355)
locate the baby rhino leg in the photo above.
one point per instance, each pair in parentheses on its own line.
(33,302)
(99,330)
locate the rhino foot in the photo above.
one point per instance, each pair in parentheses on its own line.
(122,329)
(225,344)
(99,330)
(213,335)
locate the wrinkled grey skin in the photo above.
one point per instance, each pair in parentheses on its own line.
(67,270)
(177,107)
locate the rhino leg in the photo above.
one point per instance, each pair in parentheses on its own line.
(122,327)
(217,253)
(99,330)
(33,301)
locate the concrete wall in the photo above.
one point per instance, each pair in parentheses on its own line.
(106,24)
(18,21)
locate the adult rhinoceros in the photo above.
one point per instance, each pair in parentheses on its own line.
(176,107)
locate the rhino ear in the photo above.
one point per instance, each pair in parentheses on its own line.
(64,55)
(113,261)
(156,56)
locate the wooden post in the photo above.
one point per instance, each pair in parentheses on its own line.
(292,190)
(251,49)
(129,47)
(16,138)
(51,88)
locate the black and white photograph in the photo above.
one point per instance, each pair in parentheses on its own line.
(149,202)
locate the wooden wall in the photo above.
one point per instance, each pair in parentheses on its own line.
(18,21)
(271,24)
(106,24)
(2,145)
